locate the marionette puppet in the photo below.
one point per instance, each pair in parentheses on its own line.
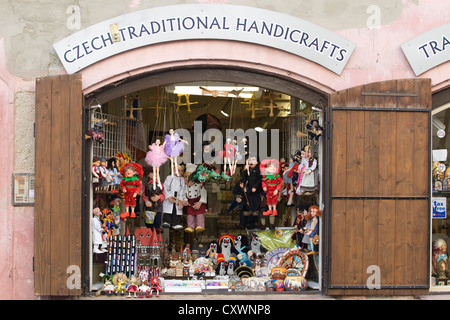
(153,197)
(173,147)
(314,131)
(131,187)
(311,228)
(229,153)
(106,178)
(155,158)
(308,183)
(299,226)
(96,173)
(196,199)
(271,184)
(109,224)
(237,156)
(252,187)
(114,204)
(97,232)
(116,177)
(174,197)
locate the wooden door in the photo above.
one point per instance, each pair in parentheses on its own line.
(379,189)
(58,188)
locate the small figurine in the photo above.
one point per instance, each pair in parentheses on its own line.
(133,286)
(106,178)
(97,232)
(173,147)
(108,222)
(155,158)
(314,131)
(119,281)
(131,187)
(308,183)
(312,227)
(196,196)
(257,250)
(153,197)
(299,226)
(226,247)
(154,281)
(96,173)
(229,154)
(272,183)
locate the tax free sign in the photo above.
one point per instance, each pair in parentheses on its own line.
(204,21)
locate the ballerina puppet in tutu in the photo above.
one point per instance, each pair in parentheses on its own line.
(155,158)
(173,147)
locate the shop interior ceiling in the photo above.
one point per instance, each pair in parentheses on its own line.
(266,108)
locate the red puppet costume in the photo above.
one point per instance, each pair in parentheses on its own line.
(271,183)
(131,187)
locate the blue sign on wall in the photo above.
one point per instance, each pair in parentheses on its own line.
(439,206)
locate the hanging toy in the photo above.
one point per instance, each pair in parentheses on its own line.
(155,158)
(131,186)
(173,147)
(314,131)
(271,183)
(229,154)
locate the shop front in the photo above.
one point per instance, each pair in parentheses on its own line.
(272,90)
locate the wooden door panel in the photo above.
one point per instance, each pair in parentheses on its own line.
(379,187)
(58,198)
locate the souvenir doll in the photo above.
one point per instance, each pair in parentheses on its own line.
(271,183)
(155,158)
(113,171)
(97,232)
(106,178)
(312,226)
(226,247)
(308,183)
(154,281)
(131,187)
(251,183)
(314,131)
(229,153)
(299,226)
(231,266)
(221,268)
(257,250)
(196,198)
(173,147)
(96,173)
(114,204)
(238,155)
(211,252)
(153,197)
(241,245)
(174,197)
(133,286)
(108,222)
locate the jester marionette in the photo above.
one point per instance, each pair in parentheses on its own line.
(131,187)
(271,183)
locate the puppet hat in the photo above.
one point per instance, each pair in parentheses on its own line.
(226,236)
(220,258)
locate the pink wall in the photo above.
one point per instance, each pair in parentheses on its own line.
(16,228)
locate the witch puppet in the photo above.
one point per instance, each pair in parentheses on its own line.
(131,187)
(271,184)
(173,147)
(155,158)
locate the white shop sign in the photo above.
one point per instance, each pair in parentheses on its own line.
(205,21)
(429,49)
